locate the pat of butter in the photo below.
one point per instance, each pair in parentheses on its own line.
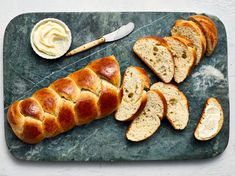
(51,38)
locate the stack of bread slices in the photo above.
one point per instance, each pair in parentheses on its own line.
(145,110)
(171,57)
(174,57)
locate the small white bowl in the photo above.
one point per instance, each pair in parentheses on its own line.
(42,54)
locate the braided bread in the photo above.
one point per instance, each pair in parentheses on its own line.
(81,97)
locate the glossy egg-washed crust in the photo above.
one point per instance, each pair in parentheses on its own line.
(81,97)
(210,30)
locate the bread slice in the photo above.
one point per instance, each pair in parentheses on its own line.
(155,52)
(133,94)
(184,55)
(210,31)
(177,104)
(192,31)
(149,120)
(211,121)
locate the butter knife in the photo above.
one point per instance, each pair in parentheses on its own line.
(113,36)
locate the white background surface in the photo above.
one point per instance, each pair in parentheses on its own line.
(224,165)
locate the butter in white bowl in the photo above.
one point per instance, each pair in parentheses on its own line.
(50,38)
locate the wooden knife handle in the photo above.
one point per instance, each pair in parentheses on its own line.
(86,46)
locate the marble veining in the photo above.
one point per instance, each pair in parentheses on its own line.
(104,140)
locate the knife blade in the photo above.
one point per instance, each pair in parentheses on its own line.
(121,32)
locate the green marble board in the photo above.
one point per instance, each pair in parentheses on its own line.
(104,140)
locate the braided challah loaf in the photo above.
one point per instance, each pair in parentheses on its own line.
(81,97)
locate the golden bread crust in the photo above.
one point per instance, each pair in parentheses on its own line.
(210,30)
(77,99)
